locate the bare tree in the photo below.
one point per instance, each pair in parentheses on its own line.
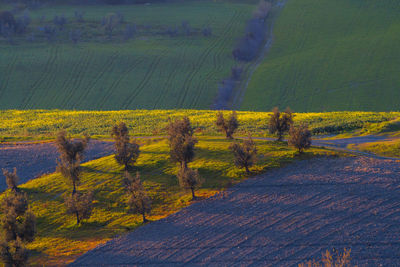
(189,179)
(300,137)
(228,126)
(181,141)
(279,123)
(139,201)
(80,204)
(71,155)
(245,154)
(11,179)
(126,152)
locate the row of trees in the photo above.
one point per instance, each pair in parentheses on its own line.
(182,151)
(19,223)
(9,26)
(280,123)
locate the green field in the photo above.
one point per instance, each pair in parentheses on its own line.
(45,124)
(153,70)
(331,55)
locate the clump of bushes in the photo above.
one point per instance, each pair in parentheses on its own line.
(248,47)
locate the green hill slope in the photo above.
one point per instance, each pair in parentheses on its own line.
(154,70)
(331,55)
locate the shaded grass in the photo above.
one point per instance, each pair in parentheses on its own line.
(60,241)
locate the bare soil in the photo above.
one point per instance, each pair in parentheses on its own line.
(281,218)
(33,160)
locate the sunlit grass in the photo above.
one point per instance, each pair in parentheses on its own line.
(44,124)
(60,241)
(386,148)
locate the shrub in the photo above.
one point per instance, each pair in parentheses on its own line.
(279,123)
(110,22)
(60,21)
(248,47)
(11,179)
(7,21)
(229,126)
(189,179)
(80,204)
(75,36)
(126,152)
(207,31)
(225,90)
(130,31)
(79,16)
(139,201)
(262,10)
(18,225)
(245,155)
(13,253)
(237,73)
(181,141)
(71,155)
(300,137)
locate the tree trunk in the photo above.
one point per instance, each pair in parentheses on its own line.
(193,195)
(144,217)
(280,137)
(143,212)
(77,218)
(74,190)
(247,169)
(183,165)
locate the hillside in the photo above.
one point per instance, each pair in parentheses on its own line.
(331,55)
(159,66)
(60,241)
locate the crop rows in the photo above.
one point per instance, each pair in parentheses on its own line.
(151,72)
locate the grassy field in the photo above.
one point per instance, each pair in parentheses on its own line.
(331,55)
(153,70)
(386,148)
(44,124)
(59,241)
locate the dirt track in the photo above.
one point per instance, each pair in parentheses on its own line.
(278,219)
(33,160)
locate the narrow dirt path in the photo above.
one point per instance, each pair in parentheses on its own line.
(282,218)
